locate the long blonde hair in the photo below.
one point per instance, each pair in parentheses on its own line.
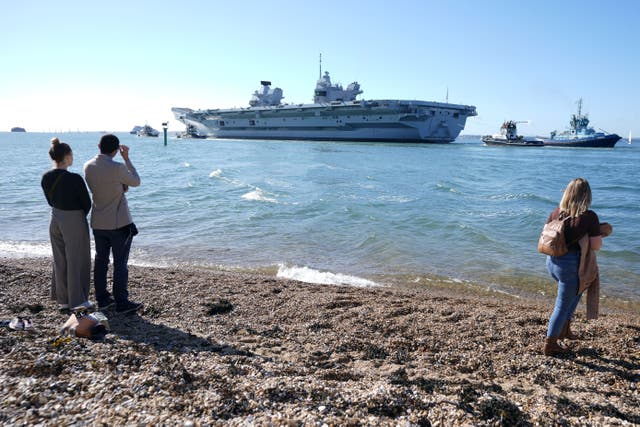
(576,199)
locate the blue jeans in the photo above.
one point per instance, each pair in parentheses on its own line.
(564,270)
(118,241)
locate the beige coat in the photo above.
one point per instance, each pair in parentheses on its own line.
(589,277)
(108,181)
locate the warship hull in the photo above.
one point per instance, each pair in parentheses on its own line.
(606,141)
(374,121)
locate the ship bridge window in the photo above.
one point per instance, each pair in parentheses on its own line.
(221,123)
(433,112)
(252,122)
(456,115)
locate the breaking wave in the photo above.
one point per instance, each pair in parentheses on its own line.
(11,249)
(258,195)
(309,275)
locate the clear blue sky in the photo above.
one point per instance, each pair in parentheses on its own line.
(70,65)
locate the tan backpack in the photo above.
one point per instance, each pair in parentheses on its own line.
(552,241)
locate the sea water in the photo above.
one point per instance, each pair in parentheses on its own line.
(336,212)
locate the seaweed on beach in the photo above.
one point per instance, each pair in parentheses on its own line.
(220,306)
(500,410)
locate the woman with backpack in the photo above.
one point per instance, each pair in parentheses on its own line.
(580,225)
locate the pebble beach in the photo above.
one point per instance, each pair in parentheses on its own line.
(226,348)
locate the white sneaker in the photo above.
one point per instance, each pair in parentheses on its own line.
(17,324)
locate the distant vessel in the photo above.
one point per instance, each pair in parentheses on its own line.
(190,132)
(17,129)
(334,115)
(580,134)
(509,136)
(147,130)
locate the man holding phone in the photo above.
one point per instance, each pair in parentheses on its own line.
(113,228)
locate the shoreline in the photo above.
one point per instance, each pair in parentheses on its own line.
(515,284)
(290,353)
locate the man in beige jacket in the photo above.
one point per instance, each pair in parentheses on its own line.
(113,227)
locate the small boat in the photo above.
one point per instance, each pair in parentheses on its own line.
(508,136)
(147,130)
(135,130)
(191,132)
(581,135)
(17,129)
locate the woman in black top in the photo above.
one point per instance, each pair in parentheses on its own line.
(581,221)
(69,199)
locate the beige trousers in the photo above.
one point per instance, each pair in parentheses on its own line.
(69,233)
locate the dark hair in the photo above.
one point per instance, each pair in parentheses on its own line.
(58,150)
(109,143)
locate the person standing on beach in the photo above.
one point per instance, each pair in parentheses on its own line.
(69,199)
(113,228)
(581,222)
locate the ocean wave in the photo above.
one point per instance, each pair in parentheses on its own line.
(10,249)
(521,196)
(217,174)
(396,199)
(278,183)
(258,195)
(254,194)
(446,187)
(310,275)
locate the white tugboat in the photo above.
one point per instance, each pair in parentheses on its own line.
(335,115)
(509,136)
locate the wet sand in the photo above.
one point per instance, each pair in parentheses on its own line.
(215,347)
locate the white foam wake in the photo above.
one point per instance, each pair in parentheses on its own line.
(11,249)
(258,195)
(255,194)
(309,275)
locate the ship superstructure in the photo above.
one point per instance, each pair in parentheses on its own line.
(580,134)
(335,114)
